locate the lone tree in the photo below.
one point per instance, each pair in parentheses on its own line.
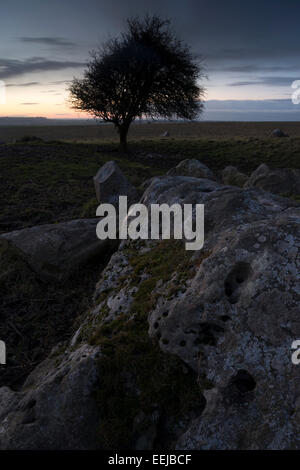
(147,72)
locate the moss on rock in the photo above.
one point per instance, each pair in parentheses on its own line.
(137,378)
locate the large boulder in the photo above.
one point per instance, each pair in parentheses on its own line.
(193,168)
(233,177)
(248,306)
(55,409)
(110,183)
(283,181)
(231,316)
(54,251)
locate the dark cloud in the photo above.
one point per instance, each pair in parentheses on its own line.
(262,105)
(249,68)
(268,81)
(251,110)
(14,67)
(243,83)
(51,92)
(264,52)
(22,84)
(59,82)
(49,41)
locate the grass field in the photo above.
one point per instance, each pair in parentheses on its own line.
(51,181)
(206,130)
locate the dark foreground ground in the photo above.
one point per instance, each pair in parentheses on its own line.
(51,181)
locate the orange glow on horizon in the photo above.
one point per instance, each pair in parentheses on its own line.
(52,101)
(39,101)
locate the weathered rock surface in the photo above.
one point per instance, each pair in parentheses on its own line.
(178,189)
(55,408)
(53,251)
(283,181)
(233,177)
(234,320)
(110,183)
(193,168)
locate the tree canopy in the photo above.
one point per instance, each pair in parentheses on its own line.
(146,72)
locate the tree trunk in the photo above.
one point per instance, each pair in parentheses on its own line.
(123,131)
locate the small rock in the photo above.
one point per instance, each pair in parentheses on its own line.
(262,169)
(282,181)
(278,133)
(233,177)
(110,183)
(192,167)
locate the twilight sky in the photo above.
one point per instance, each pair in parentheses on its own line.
(251,51)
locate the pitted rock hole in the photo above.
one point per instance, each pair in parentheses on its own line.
(208,333)
(237,276)
(29,416)
(206,190)
(225,318)
(243,381)
(30,404)
(239,388)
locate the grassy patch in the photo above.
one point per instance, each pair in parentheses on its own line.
(46,182)
(53,182)
(245,153)
(159,264)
